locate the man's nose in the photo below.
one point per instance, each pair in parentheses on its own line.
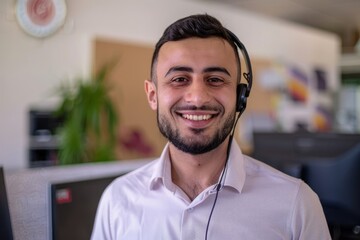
(197,93)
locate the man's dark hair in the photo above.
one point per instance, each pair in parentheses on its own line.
(199,25)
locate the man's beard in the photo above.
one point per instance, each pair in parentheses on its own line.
(190,145)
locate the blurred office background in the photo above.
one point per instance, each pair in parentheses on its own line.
(304,107)
(304,55)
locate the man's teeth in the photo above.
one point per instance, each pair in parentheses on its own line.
(197,117)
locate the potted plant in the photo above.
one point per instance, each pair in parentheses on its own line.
(88,131)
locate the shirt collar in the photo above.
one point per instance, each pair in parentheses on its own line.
(234,175)
(162,170)
(235,172)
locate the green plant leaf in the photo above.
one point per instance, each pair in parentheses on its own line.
(89,131)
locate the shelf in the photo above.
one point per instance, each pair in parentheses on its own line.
(43,142)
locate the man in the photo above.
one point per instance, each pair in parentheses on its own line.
(197,189)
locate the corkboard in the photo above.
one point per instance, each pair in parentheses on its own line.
(138,134)
(259,102)
(127,81)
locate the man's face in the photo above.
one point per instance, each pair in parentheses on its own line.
(195,93)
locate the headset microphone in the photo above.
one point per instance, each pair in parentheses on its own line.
(242,93)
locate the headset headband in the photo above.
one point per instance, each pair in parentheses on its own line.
(247,75)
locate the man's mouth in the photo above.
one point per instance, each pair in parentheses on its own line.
(197,117)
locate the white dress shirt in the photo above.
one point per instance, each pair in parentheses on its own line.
(257,202)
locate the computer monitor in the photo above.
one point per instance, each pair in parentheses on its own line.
(5,221)
(74,205)
(289,151)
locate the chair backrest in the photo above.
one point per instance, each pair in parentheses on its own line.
(5,221)
(337,183)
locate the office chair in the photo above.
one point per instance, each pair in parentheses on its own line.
(337,183)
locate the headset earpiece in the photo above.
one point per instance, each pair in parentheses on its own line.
(241,94)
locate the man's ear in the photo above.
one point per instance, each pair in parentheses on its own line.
(150,90)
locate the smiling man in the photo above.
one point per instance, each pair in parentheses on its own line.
(202,186)
(194,93)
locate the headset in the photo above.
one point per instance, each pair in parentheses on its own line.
(242,90)
(242,93)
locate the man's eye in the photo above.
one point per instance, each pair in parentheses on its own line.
(179,79)
(215,81)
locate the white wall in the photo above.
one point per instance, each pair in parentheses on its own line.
(30,68)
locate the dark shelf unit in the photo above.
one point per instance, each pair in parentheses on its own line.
(43,141)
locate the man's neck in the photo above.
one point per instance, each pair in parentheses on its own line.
(194,173)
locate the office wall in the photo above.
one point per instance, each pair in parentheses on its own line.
(31,68)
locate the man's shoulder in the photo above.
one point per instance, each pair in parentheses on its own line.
(137,180)
(256,168)
(276,183)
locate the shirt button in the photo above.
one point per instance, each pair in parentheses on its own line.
(190,209)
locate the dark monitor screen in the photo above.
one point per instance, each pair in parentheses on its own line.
(5,221)
(74,205)
(282,150)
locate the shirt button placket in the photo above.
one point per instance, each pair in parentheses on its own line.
(187,228)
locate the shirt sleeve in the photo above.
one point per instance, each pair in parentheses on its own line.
(102,224)
(308,220)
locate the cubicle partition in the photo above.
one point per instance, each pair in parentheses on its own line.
(29,193)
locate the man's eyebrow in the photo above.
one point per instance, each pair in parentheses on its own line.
(179,69)
(217,69)
(190,70)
